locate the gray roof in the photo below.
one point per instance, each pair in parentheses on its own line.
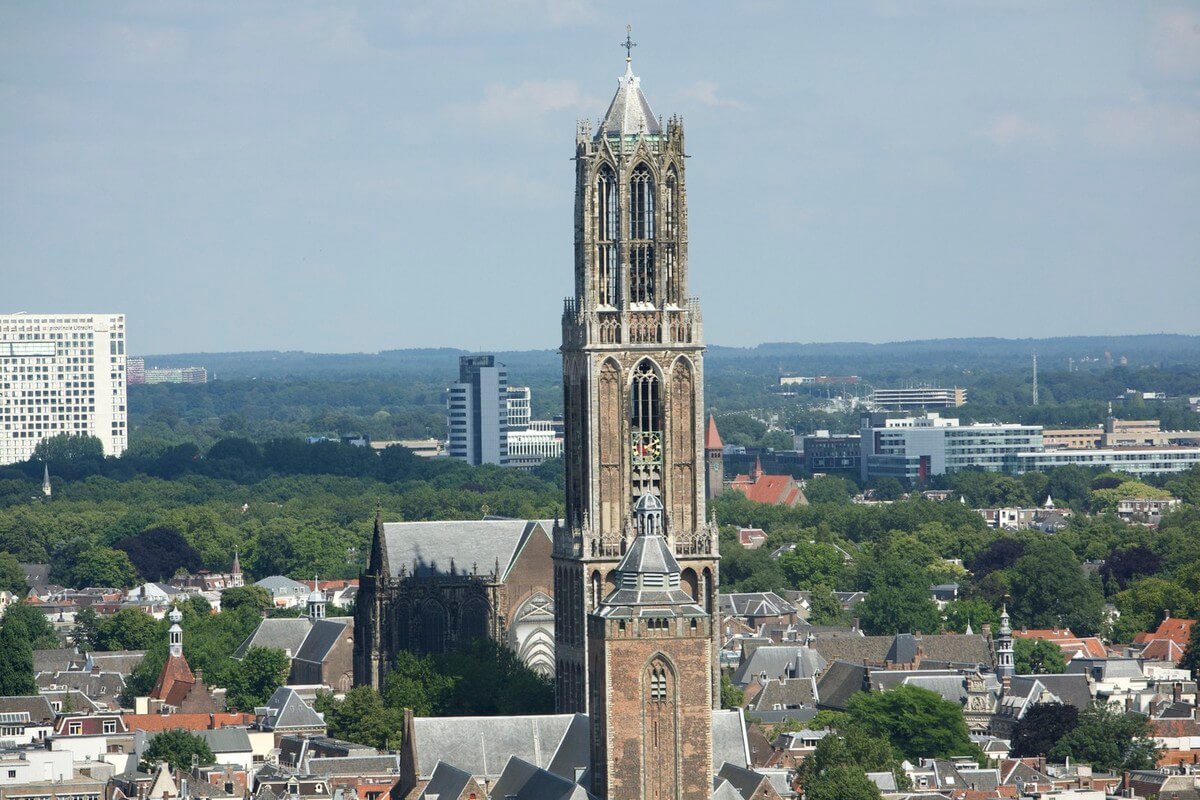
(483,745)
(122,662)
(322,636)
(788,693)
(744,780)
(59,658)
(281,584)
(355,765)
(730,745)
(285,709)
(431,547)
(754,604)
(853,648)
(37,576)
(629,114)
(1109,667)
(1071,689)
(282,633)
(521,780)
(777,661)
(839,683)
(447,781)
(886,781)
(96,685)
(227,740)
(36,706)
(725,791)
(950,684)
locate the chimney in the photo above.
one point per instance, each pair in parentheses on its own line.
(1126,790)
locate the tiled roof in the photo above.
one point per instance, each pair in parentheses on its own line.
(780,490)
(190,722)
(712,439)
(1173,628)
(174,681)
(431,547)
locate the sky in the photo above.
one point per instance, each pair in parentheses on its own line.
(344,177)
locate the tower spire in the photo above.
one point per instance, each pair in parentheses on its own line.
(629,43)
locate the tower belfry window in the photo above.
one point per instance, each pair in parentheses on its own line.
(641,234)
(607,234)
(645,431)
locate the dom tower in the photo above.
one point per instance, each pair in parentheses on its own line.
(632,382)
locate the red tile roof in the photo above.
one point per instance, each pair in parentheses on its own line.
(189,722)
(174,682)
(712,439)
(1068,642)
(1172,628)
(780,490)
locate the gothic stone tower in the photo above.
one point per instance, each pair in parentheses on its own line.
(633,375)
(650,647)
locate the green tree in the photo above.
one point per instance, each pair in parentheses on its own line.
(888,489)
(1109,740)
(849,749)
(128,629)
(975,611)
(176,747)
(1191,655)
(899,601)
(829,489)
(362,717)
(731,695)
(1042,726)
(1050,590)
(841,782)
(103,566)
(254,597)
(16,663)
(12,577)
(261,671)
(86,630)
(808,564)
(1038,657)
(32,626)
(918,722)
(67,449)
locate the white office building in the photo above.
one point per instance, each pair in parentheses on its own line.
(61,373)
(915,448)
(477,413)
(540,440)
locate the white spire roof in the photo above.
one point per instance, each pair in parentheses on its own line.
(629,114)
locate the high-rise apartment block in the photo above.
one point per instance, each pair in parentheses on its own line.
(478,411)
(135,370)
(61,373)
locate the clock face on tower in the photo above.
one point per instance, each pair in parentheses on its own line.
(646,447)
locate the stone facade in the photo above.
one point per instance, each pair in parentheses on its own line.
(633,374)
(416,597)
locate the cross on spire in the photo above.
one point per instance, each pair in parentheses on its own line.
(629,43)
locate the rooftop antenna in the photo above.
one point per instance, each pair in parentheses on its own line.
(1035,392)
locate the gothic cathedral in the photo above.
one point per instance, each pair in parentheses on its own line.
(635,561)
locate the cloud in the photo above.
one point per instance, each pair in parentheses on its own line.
(705,93)
(1175,43)
(502,104)
(1010,129)
(1143,126)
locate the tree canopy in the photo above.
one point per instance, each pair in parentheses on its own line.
(176,747)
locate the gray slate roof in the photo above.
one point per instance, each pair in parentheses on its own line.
(446,781)
(227,740)
(36,706)
(629,113)
(483,745)
(355,765)
(521,780)
(480,544)
(754,604)
(322,636)
(777,660)
(285,709)
(281,584)
(730,745)
(282,633)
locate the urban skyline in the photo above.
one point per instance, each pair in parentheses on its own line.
(959,156)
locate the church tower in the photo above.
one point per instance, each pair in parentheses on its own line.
(633,376)
(650,650)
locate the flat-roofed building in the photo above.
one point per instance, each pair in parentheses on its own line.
(905,399)
(61,374)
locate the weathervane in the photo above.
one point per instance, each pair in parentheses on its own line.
(629,43)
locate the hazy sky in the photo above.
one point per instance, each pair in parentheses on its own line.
(350,176)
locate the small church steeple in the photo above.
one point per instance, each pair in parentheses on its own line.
(176,632)
(47,489)
(1005,666)
(316,601)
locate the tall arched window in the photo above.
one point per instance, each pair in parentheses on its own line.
(607,233)
(641,235)
(645,426)
(671,221)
